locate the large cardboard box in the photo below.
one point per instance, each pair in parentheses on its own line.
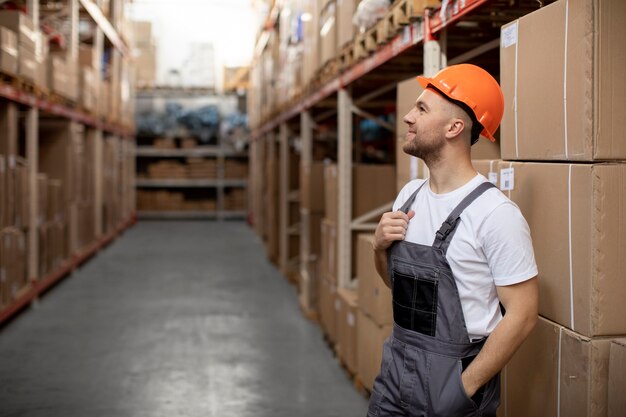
(57,75)
(562,74)
(329,250)
(142,31)
(576,218)
(27,64)
(347,328)
(22,25)
(328,32)
(312,187)
(346,30)
(311,41)
(374,295)
(370,338)
(330,192)
(328,298)
(373,186)
(8,51)
(3,192)
(617,378)
(488,168)
(556,372)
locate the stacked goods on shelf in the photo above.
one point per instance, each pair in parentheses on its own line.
(166,170)
(89,81)
(22,25)
(374,318)
(328,32)
(372,187)
(347,326)
(61,153)
(236,199)
(8,51)
(51,225)
(201,168)
(144,54)
(111,188)
(14,223)
(312,205)
(171,201)
(13,262)
(310,42)
(291,53)
(575,209)
(164,143)
(234,169)
(271,201)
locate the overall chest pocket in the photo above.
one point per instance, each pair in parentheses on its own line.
(415,297)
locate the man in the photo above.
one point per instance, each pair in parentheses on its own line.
(458,257)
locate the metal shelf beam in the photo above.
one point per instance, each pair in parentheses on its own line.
(107,28)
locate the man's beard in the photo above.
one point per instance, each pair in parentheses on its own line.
(429,152)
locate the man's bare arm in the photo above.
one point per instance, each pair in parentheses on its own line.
(521,302)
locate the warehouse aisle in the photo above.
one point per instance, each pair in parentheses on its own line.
(174,319)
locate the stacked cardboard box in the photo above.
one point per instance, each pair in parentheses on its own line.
(311,41)
(236,199)
(234,169)
(144,54)
(311,214)
(328,31)
(22,25)
(172,201)
(575,209)
(372,188)
(201,168)
(13,262)
(89,82)
(375,318)
(8,51)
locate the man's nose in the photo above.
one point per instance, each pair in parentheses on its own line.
(409,118)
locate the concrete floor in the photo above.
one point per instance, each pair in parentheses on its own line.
(174,319)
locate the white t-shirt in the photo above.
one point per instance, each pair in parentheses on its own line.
(491,247)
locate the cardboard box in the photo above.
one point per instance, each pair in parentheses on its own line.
(347,328)
(372,187)
(328,32)
(565,99)
(142,32)
(27,64)
(22,25)
(556,372)
(346,30)
(3,192)
(8,51)
(617,378)
(330,192)
(87,56)
(329,250)
(370,338)
(311,41)
(312,187)
(328,297)
(308,287)
(576,218)
(374,296)
(489,168)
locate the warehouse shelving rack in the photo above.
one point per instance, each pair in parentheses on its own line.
(220,152)
(38,105)
(464,31)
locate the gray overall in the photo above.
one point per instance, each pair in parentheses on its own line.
(429,347)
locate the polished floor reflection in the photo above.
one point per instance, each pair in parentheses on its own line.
(173,319)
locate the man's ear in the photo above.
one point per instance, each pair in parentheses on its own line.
(455,128)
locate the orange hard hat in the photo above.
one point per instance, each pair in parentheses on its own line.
(475,90)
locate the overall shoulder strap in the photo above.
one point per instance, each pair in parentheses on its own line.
(448,228)
(407,205)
